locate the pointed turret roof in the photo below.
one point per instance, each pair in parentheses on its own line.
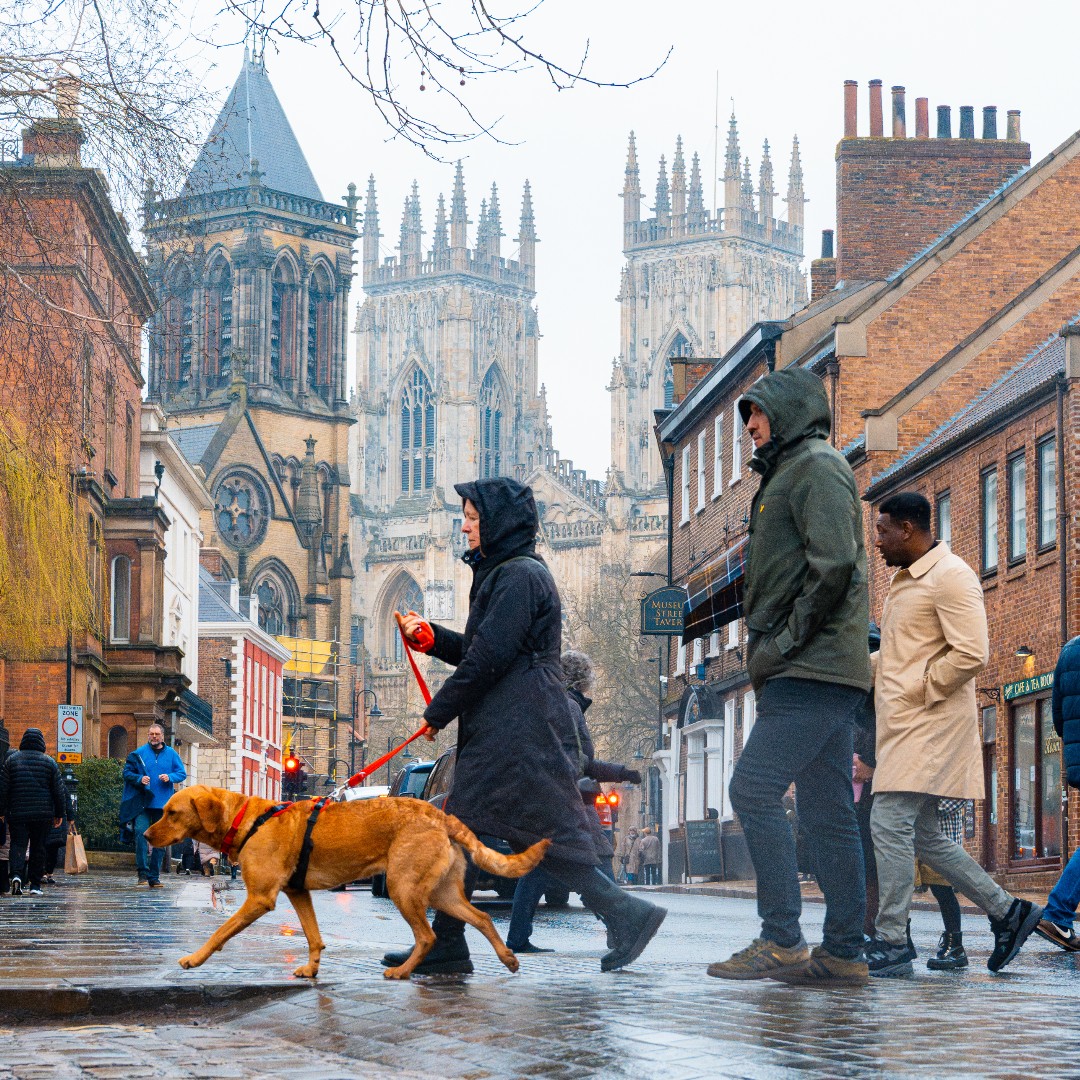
(252,127)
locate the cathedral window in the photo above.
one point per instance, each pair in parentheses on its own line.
(179,299)
(120,623)
(283,310)
(320,307)
(410,598)
(218,319)
(271,606)
(491,423)
(417,434)
(669,385)
(278,599)
(680,347)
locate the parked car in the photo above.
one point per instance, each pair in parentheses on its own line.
(408,783)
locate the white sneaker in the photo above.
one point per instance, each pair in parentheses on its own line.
(34,892)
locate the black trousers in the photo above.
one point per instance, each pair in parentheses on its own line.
(32,834)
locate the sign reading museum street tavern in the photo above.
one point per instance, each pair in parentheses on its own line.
(662,611)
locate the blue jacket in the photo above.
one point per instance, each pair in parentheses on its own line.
(144,762)
(1066,707)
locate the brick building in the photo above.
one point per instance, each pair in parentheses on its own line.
(914,319)
(77,330)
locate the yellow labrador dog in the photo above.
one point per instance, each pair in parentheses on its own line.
(418,847)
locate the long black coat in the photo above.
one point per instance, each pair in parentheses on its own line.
(30,784)
(513,777)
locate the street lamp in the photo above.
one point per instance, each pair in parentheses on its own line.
(374,712)
(405,755)
(332,772)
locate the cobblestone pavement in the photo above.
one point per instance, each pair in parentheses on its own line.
(560,1017)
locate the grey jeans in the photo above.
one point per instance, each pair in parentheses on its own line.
(905,825)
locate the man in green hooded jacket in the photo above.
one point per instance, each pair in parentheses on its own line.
(807,612)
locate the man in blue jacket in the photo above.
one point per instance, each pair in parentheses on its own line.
(1057,920)
(150,773)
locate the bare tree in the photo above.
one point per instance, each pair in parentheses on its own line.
(396,50)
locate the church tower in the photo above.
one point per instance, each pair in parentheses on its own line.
(248,360)
(696,278)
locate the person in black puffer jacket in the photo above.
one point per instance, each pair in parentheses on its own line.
(31,802)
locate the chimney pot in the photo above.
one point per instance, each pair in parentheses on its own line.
(989,121)
(877,128)
(922,118)
(851,109)
(67,98)
(899,113)
(944,121)
(967,121)
(826,243)
(1012,125)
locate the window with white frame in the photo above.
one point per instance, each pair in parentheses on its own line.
(714,643)
(749,714)
(733,634)
(685,486)
(680,660)
(1046,467)
(944,518)
(736,444)
(701,471)
(698,646)
(718,457)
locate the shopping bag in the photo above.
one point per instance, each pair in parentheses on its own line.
(75,854)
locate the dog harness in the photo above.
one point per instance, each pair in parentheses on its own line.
(296,881)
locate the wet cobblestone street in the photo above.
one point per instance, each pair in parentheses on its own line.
(559,1017)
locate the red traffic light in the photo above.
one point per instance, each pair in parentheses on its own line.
(292,764)
(613,799)
(601,799)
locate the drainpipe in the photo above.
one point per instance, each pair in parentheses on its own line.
(832,369)
(1063,574)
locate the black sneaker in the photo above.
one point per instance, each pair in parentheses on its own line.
(446,958)
(887,960)
(1065,937)
(528,947)
(1011,932)
(950,955)
(16,886)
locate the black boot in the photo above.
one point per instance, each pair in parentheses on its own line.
(910,943)
(448,956)
(950,954)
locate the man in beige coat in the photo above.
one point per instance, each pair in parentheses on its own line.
(933,644)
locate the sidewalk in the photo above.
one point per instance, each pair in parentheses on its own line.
(99,944)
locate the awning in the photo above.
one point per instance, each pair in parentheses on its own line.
(715,594)
(309,657)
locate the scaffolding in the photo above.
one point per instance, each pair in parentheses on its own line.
(311,688)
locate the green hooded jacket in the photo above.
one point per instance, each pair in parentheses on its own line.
(806,600)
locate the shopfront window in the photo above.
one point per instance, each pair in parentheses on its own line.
(1024,781)
(1036,777)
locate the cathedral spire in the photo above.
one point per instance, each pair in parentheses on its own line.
(482,239)
(731,167)
(494,223)
(747,192)
(765,188)
(678,185)
(527,234)
(663,194)
(631,192)
(695,205)
(440,238)
(371,231)
(411,246)
(459,221)
(796,196)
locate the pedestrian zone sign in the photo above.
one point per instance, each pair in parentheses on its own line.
(69,731)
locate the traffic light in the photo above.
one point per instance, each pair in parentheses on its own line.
(291,775)
(613,801)
(603,810)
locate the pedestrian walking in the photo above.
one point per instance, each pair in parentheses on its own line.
(31,803)
(1057,921)
(649,849)
(807,610)
(950,955)
(933,643)
(151,774)
(513,718)
(56,841)
(623,852)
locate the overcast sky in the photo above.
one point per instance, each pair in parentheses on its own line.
(784,65)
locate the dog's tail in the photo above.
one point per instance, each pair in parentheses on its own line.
(508,866)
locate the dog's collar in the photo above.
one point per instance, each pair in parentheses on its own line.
(230,836)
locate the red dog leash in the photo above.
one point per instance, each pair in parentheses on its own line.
(361,776)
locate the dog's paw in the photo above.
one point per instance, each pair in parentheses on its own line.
(188,962)
(395,973)
(307,971)
(511,961)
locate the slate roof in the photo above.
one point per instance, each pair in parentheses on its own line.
(252,126)
(213,608)
(1037,371)
(193,441)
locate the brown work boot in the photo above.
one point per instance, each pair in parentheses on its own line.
(824,969)
(761,959)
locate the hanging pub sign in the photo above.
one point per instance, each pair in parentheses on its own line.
(662,611)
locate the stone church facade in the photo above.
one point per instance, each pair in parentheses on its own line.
(248,360)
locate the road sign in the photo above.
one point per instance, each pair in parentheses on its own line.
(662,611)
(69,732)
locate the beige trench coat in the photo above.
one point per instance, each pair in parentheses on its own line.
(933,643)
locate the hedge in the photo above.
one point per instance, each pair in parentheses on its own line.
(101,787)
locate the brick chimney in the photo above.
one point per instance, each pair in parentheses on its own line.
(686,373)
(894,196)
(823,270)
(56,143)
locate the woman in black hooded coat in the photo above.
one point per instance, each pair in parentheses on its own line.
(513,778)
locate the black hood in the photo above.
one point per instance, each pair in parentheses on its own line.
(33,740)
(583,701)
(797,406)
(508,520)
